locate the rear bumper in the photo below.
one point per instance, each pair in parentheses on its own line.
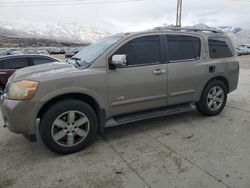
(233,78)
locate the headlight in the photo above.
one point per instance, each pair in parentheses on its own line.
(22,90)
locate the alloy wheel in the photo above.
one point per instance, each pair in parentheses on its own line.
(70,128)
(215,98)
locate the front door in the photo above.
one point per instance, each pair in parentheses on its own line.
(143,83)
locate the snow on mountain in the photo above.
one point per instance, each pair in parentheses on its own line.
(201,26)
(242,37)
(238,35)
(58,31)
(80,34)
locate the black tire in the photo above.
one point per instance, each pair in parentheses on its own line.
(203,105)
(54,112)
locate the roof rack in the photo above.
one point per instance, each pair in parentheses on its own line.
(187,29)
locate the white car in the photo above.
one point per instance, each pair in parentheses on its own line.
(243,50)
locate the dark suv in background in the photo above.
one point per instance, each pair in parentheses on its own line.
(9,64)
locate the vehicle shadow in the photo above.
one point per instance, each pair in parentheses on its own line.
(37,150)
(155,124)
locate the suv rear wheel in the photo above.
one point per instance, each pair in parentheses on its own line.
(213,99)
(68,126)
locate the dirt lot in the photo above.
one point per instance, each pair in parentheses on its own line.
(186,150)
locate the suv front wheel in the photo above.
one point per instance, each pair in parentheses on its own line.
(68,126)
(213,99)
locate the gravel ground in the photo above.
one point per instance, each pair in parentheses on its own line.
(185,150)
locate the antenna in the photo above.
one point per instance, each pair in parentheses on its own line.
(179,13)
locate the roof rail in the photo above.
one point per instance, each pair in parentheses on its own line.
(188,29)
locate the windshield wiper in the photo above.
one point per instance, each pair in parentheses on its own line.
(76,60)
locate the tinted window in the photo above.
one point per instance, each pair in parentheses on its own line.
(39,61)
(143,50)
(220,48)
(1,65)
(183,47)
(15,63)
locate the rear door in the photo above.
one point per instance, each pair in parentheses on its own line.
(185,70)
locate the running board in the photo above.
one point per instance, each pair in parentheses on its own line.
(129,118)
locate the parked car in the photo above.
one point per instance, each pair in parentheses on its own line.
(69,53)
(56,50)
(43,52)
(2,53)
(118,80)
(240,51)
(30,51)
(247,50)
(15,52)
(9,64)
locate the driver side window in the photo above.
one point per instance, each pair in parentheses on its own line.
(142,51)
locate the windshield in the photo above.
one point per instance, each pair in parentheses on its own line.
(90,53)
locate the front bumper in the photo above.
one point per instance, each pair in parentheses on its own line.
(19,116)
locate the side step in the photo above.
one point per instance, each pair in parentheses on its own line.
(129,118)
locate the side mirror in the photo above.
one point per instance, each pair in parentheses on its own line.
(119,61)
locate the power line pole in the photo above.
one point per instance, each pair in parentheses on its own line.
(179,12)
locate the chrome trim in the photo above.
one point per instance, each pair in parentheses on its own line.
(145,99)
(182,93)
(159,71)
(184,60)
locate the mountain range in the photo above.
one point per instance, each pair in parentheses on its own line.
(237,34)
(73,33)
(59,32)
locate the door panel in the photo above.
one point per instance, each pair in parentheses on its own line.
(185,68)
(143,83)
(137,88)
(185,81)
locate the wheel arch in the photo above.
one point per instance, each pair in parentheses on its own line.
(222,79)
(202,104)
(92,102)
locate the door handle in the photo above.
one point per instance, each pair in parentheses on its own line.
(159,71)
(2,73)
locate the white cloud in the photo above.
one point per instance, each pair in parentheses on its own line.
(134,16)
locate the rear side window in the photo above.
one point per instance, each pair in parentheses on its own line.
(142,50)
(181,48)
(15,63)
(39,61)
(220,48)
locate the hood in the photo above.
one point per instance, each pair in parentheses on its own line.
(38,71)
